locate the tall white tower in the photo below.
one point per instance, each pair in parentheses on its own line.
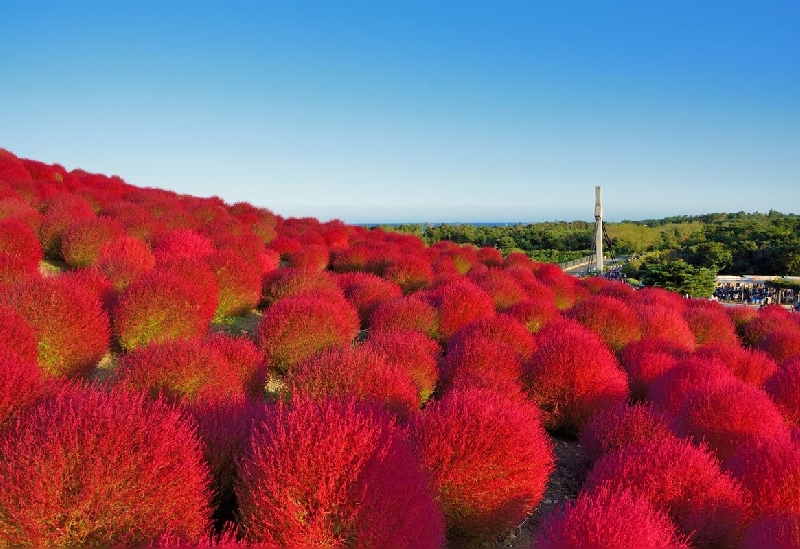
(598,229)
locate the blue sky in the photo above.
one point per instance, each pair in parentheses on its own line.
(391,111)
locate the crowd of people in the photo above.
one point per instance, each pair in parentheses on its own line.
(757,294)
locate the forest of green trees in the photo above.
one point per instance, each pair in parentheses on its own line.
(722,243)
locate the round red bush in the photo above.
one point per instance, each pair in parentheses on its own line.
(333,473)
(534,312)
(70,325)
(313,256)
(659,298)
(767,319)
(773,531)
(610,318)
(782,343)
(60,212)
(709,323)
(296,327)
(502,329)
(671,388)
(608,517)
(646,359)
(413,351)
(291,281)
(357,372)
(239,283)
(661,322)
(458,304)
(245,358)
(82,239)
(750,365)
(90,467)
(20,251)
(183,244)
(573,375)
(20,384)
(410,272)
(681,479)
(477,356)
(406,313)
(14,208)
(17,336)
(741,315)
(123,260)
(501,285)
(489,460)
(491,257)
(285,246)
(518,259)
(784,388)
(365,291)
(621,426)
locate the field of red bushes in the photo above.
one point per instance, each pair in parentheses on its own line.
(177,371)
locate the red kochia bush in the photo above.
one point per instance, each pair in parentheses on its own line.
(460,303)
(784,388)
(491,257)
(727,413)
(17,337)
(20,251)
(773,531)
(620,426)
(239,283)
(750,365)
(90,467)
(611,319)
(69,322)
(646,359)
(501,285)
(767,319)
(312,256)
(406,313)
(661,322)
(163,305)
(365,291)
(710,323)
(670,389)
(332,473)
(478,360)
(20,384)
(502,329)
(782,343)
(410,272)
(183,244)
(123,260)
(608,517)
(291,281)
(82,239)
(534,312)
(60,212)
(359,372)
(489,460)
(296,327)
(684,481)
(573,375)
(413,351)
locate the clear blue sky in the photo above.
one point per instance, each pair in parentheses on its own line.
(381,111)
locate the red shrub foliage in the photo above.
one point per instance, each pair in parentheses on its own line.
(477,356)
(163,305)
(406,313)
(410,350)
(14,208)
(333,473)
(296,327)
(181,371)
(351,259)
(17,336)
(741,316)
(648,358)
(20,251)
(659,298)
(501,285)
(239,283)
(782,343)
(501,329)
(750,365)
(518,259)
(671,388)
(773,531)
(608,517)
(285,246)
(769,469)
(183,244)
(94,282)
(69,322)
(123,260)
(661,322)
(621,426)
(489,460)
(90,467)
(20,384)
(682,480)
(710,323)
(784,388)
(534,312)
(269,260)
(564,290)
(60,212)
(620,290)
(610,318)
(291,281)
(82,239)
(365,291)
(573,375)
(410,272)
(358,372)
(491,257)
(464,258)
(458,304)
(312,256)
(245,358)
(727,413)
(769,318)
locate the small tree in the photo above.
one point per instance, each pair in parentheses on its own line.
(680,277)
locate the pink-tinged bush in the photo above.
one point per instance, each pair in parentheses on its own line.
(285,246)
(70,324)
(351,259)
(681,479)
(17,336)
(20,251)
(750,365)
(782,343)
(501,329)
(501,285)
(183,244)
(573,375)
(90,467)
(620,290)
(269,260)
(291,281)
(608,517)
(406,313)
(365,291)
(784,388)
(82,239)
(20,384)
(334,473)
(489,460)
(659,298)
(671,388)
(94,282)
(564,290)
(358,372)
(163,305)
(458,304)
(491,257)
(410,272)
(413,351)
(773,531)
(296,327)
(477,356)
(245,358)
(60,212)
(709,323)
(123,260)
(769,318)
(534,312)
(661,322)
(239,283)
(464,258)
(621,426)
(740,316)
(769,469)
(610,318)
(727,413)
(14,208)
(518,259)
(313,256)
(646,359)
(186,371)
